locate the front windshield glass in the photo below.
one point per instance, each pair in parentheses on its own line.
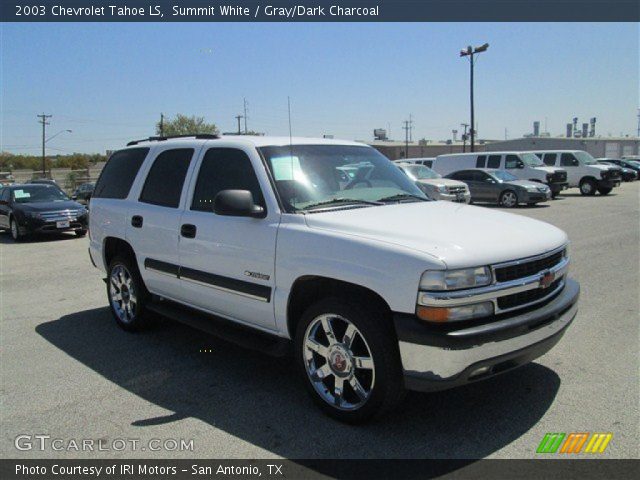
(531,159)
(38,194)
(585,158)
(504,176)
(420,172)
(325,176)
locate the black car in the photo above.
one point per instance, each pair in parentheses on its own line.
(624,164)
(501,187)
(40,208)
(82,193)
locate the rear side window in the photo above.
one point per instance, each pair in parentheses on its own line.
(511,161)
(224,169)
(481,161)
(166,178)
(462,176)
(494,161)
(550,159)
(119,173)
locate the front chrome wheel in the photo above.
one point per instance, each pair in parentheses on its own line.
(338,362)
(122,294)
(15,234)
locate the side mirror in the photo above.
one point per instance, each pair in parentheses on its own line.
(237,203)
(520,165)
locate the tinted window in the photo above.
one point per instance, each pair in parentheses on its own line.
(119,173)
(550,159)
(494,161)
(567,160)
(5,194)
(462,176)
(481,161)
(166,178)
(511,161)
(224,169)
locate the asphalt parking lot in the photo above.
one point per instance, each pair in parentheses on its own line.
(69,372)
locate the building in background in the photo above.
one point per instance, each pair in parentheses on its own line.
(598,147)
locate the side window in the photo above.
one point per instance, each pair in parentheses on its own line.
(550,159)
(164,182)
(481,161)
(494,161)
(567,160)
(465,176)
(119,173)
(511,161)
(6,194)
(224,169)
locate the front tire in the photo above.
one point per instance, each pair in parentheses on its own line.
(127,293)
(347,354)
(605,191)
(81,233)
(15,231)
(588,187)
(508,199)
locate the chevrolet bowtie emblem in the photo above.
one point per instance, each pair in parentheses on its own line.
(546,279)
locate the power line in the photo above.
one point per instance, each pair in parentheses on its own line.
(43,121)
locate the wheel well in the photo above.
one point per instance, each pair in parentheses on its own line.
(309,289)
(588,177)
(114,246)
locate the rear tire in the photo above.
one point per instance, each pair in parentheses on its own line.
(588,187)
(605,191)
(508,199)
(127,293)
(347,354)
(81,233)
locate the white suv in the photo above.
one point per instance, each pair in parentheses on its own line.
(326,246)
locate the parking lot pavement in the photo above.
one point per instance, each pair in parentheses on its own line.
(67,371)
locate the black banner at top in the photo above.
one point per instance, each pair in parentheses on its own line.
(319,10)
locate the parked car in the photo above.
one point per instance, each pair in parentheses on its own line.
(434,185)
(622,163)
(40,208)
(265,242)
(501,187)
(627,175)
(426,161)
(82,194)
(522,165)
(584,172)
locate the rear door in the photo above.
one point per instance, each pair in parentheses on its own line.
(227,263)
(154,220)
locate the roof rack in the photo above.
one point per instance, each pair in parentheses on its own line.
(199,136)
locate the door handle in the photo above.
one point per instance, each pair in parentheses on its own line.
(187,230)
(136,221)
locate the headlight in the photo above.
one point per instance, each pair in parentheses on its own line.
(33,214)
(455,314)
(455,279)
(549,177)
(604,174)
(442,189)
(543,189)
(531,188)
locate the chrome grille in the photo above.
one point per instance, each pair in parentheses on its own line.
(58,215)
(460,189)
(524,268)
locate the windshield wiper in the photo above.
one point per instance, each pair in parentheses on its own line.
(403,196)
(334,201)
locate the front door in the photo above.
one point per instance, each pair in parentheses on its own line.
(227,262)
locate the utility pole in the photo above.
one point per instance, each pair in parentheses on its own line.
(245,115)
(471,52)
(239,117)
(464,137)
(638,134)
(410,127)
(406,129)
(162,124)
(506,133)
(43,121)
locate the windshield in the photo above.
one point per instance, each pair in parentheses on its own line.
(324,176)
(504,176)
(420,172)
(531,159)
(38,194)
(585,158)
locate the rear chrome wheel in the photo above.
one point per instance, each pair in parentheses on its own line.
(339,362)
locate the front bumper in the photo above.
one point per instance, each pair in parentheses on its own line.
(30,225)
(451,197)
(534,197)
(557,187)
(437,357)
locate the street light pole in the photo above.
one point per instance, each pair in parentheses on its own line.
(43,121)
(471,52)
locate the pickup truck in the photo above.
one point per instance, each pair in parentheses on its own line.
(325,251)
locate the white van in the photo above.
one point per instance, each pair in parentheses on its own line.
(584,172)
(523,165)
(426,161)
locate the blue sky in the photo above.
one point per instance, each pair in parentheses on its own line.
(109,82)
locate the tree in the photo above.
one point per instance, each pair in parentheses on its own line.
(184,125)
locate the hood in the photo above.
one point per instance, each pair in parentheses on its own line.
(459,235)
(549,169)
(442,181)
(605,168)
(49,206)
